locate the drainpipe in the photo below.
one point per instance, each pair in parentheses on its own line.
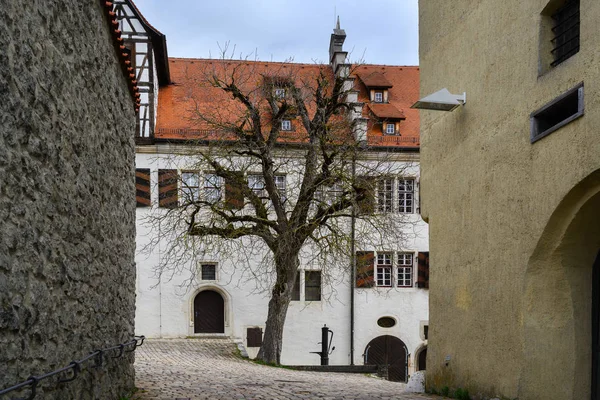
(353,264)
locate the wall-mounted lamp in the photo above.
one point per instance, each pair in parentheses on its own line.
(441,100)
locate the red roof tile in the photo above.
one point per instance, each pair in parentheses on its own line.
(183,106)
(386,110)
(375,80)
(403,93)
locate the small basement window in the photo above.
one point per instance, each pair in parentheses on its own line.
(558,113)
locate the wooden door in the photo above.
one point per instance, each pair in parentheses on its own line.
(422,366)
(390,353)
(209,312)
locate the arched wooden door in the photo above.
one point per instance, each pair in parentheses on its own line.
(209,312)
(596,329)
(422,360)
(388,352)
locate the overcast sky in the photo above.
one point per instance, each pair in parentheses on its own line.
(378,31)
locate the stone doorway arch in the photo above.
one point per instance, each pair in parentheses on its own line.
(560,351)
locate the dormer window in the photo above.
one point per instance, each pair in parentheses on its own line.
(390,129)
(378,97)
(279,93)
(286,125)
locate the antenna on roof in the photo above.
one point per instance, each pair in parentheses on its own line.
(338,23)
(334,13)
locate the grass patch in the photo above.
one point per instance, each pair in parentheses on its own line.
(261,362)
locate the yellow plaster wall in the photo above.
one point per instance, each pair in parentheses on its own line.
(489,194)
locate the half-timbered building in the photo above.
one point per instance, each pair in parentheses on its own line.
(378,312)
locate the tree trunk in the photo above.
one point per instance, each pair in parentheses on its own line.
(286,265)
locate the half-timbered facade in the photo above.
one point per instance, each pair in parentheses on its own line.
(148,51)
(379,311)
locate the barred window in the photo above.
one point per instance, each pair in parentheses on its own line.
(190,186)
(385,191)
(406,195)
(209,272)
(212,188)
(384,269)
(566,31)
(405,269)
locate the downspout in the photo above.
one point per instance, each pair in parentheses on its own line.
(353,263)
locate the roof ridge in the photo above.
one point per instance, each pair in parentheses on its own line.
(286,62)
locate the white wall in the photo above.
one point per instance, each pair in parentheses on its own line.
(165,309)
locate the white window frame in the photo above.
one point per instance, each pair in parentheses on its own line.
(406,197)
(385,195)
(212,183)
(383,269)
(387,129)
(405,269)
(190,191)
(378,97)
(256,183)
(286,125)
(279,93)
(280,184)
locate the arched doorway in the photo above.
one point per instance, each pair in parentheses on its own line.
(388,352)
(422,360)
(209,312)
(561,301)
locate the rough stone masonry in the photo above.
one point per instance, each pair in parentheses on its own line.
(67,207)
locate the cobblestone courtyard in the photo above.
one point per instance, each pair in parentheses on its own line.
(210,369)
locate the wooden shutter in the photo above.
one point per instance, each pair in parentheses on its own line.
(253,337)
(367,204)
(142,187)
(296,289)
(423,270)
(234,197)
(167,188)
(365,269)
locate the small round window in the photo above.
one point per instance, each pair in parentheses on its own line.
(386,322)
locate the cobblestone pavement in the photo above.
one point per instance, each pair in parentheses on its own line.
(210,369)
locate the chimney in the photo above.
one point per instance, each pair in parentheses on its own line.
(337,57)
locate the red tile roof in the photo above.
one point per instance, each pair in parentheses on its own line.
(386,111)
(183,106)
(124,56)
(403,93)
(375,80)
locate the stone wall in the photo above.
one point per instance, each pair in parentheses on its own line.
(67,206)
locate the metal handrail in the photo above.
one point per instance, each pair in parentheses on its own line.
(75,366)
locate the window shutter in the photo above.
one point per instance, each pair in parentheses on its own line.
(365,269)
(253,337)
(234,197)
(423,270)
(367,204)
(296,288)
(167,188)
(142,187)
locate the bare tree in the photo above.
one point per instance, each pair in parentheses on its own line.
(246,209)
